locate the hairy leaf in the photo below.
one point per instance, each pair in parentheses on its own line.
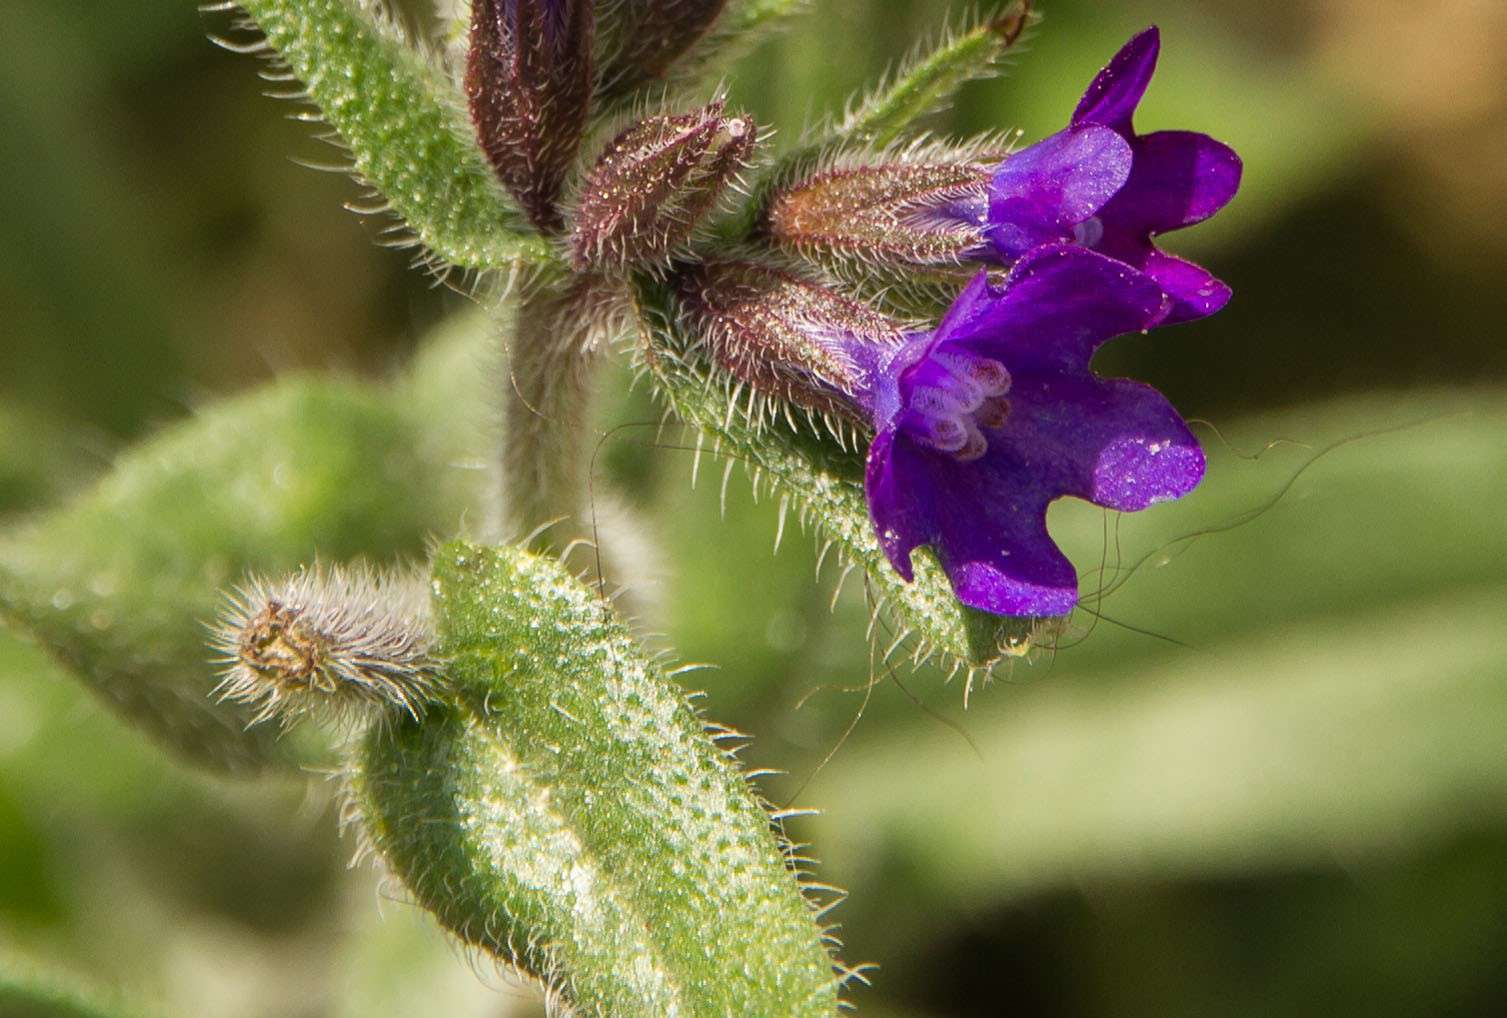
(745,16)
(741,25)
(570,816)
(117,584)
(38,460)
(401,119)
(929,81)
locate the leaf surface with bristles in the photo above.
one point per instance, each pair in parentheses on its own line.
(403,122)
(571,816)
(934,77)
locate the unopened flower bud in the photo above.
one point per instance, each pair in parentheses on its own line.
(915,213)
(327,642)
(791,340)
(644,38)
(529,84)
(655,182)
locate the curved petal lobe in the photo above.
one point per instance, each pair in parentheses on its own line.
(1118,443)
(1113,95)
(1039,194)
(988,528)
(1063,303)
(1179,178)
(1195,292)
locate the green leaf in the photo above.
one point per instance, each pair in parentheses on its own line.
(743,17)
(931,79)
(29,996)
(37,460)
(401,118)
(117,584)
(742,25)
(1353,736)
(824,484)
(570,815)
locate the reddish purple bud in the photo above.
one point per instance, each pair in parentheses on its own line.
(655,182)
(789,339)
(644,38)
(925,213)
(528,83)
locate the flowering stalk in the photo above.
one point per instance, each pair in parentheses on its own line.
(551,353)
(977,424)
(821,480)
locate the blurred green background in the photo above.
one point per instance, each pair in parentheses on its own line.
(1275,784)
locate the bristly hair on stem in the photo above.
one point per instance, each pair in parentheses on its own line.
(338,643)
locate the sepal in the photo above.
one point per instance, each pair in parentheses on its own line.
(654,184)
(529,85)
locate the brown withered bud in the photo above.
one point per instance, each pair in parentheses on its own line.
(791,340)
(529,85)
(330,642)
(642,39)
(921,213)
(655,182)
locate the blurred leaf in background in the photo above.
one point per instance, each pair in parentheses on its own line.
(1303,810)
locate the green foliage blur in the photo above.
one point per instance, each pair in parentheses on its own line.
(1270,780)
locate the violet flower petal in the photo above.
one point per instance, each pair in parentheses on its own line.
(1058,305)
(1176,179)
(1116,91)
(1194,292)
(900,512)
(989,531)
(1179,178)
(1115,442)
(1039,194)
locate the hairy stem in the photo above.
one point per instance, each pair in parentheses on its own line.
(547,397)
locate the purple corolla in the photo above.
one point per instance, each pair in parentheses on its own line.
(1101,185)
(982,423)
(978,424)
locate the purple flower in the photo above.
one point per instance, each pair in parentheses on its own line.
(978,424)
(983,422)
(1100,184)
(1095,183)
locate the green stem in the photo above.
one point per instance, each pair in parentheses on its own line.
(547,396)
